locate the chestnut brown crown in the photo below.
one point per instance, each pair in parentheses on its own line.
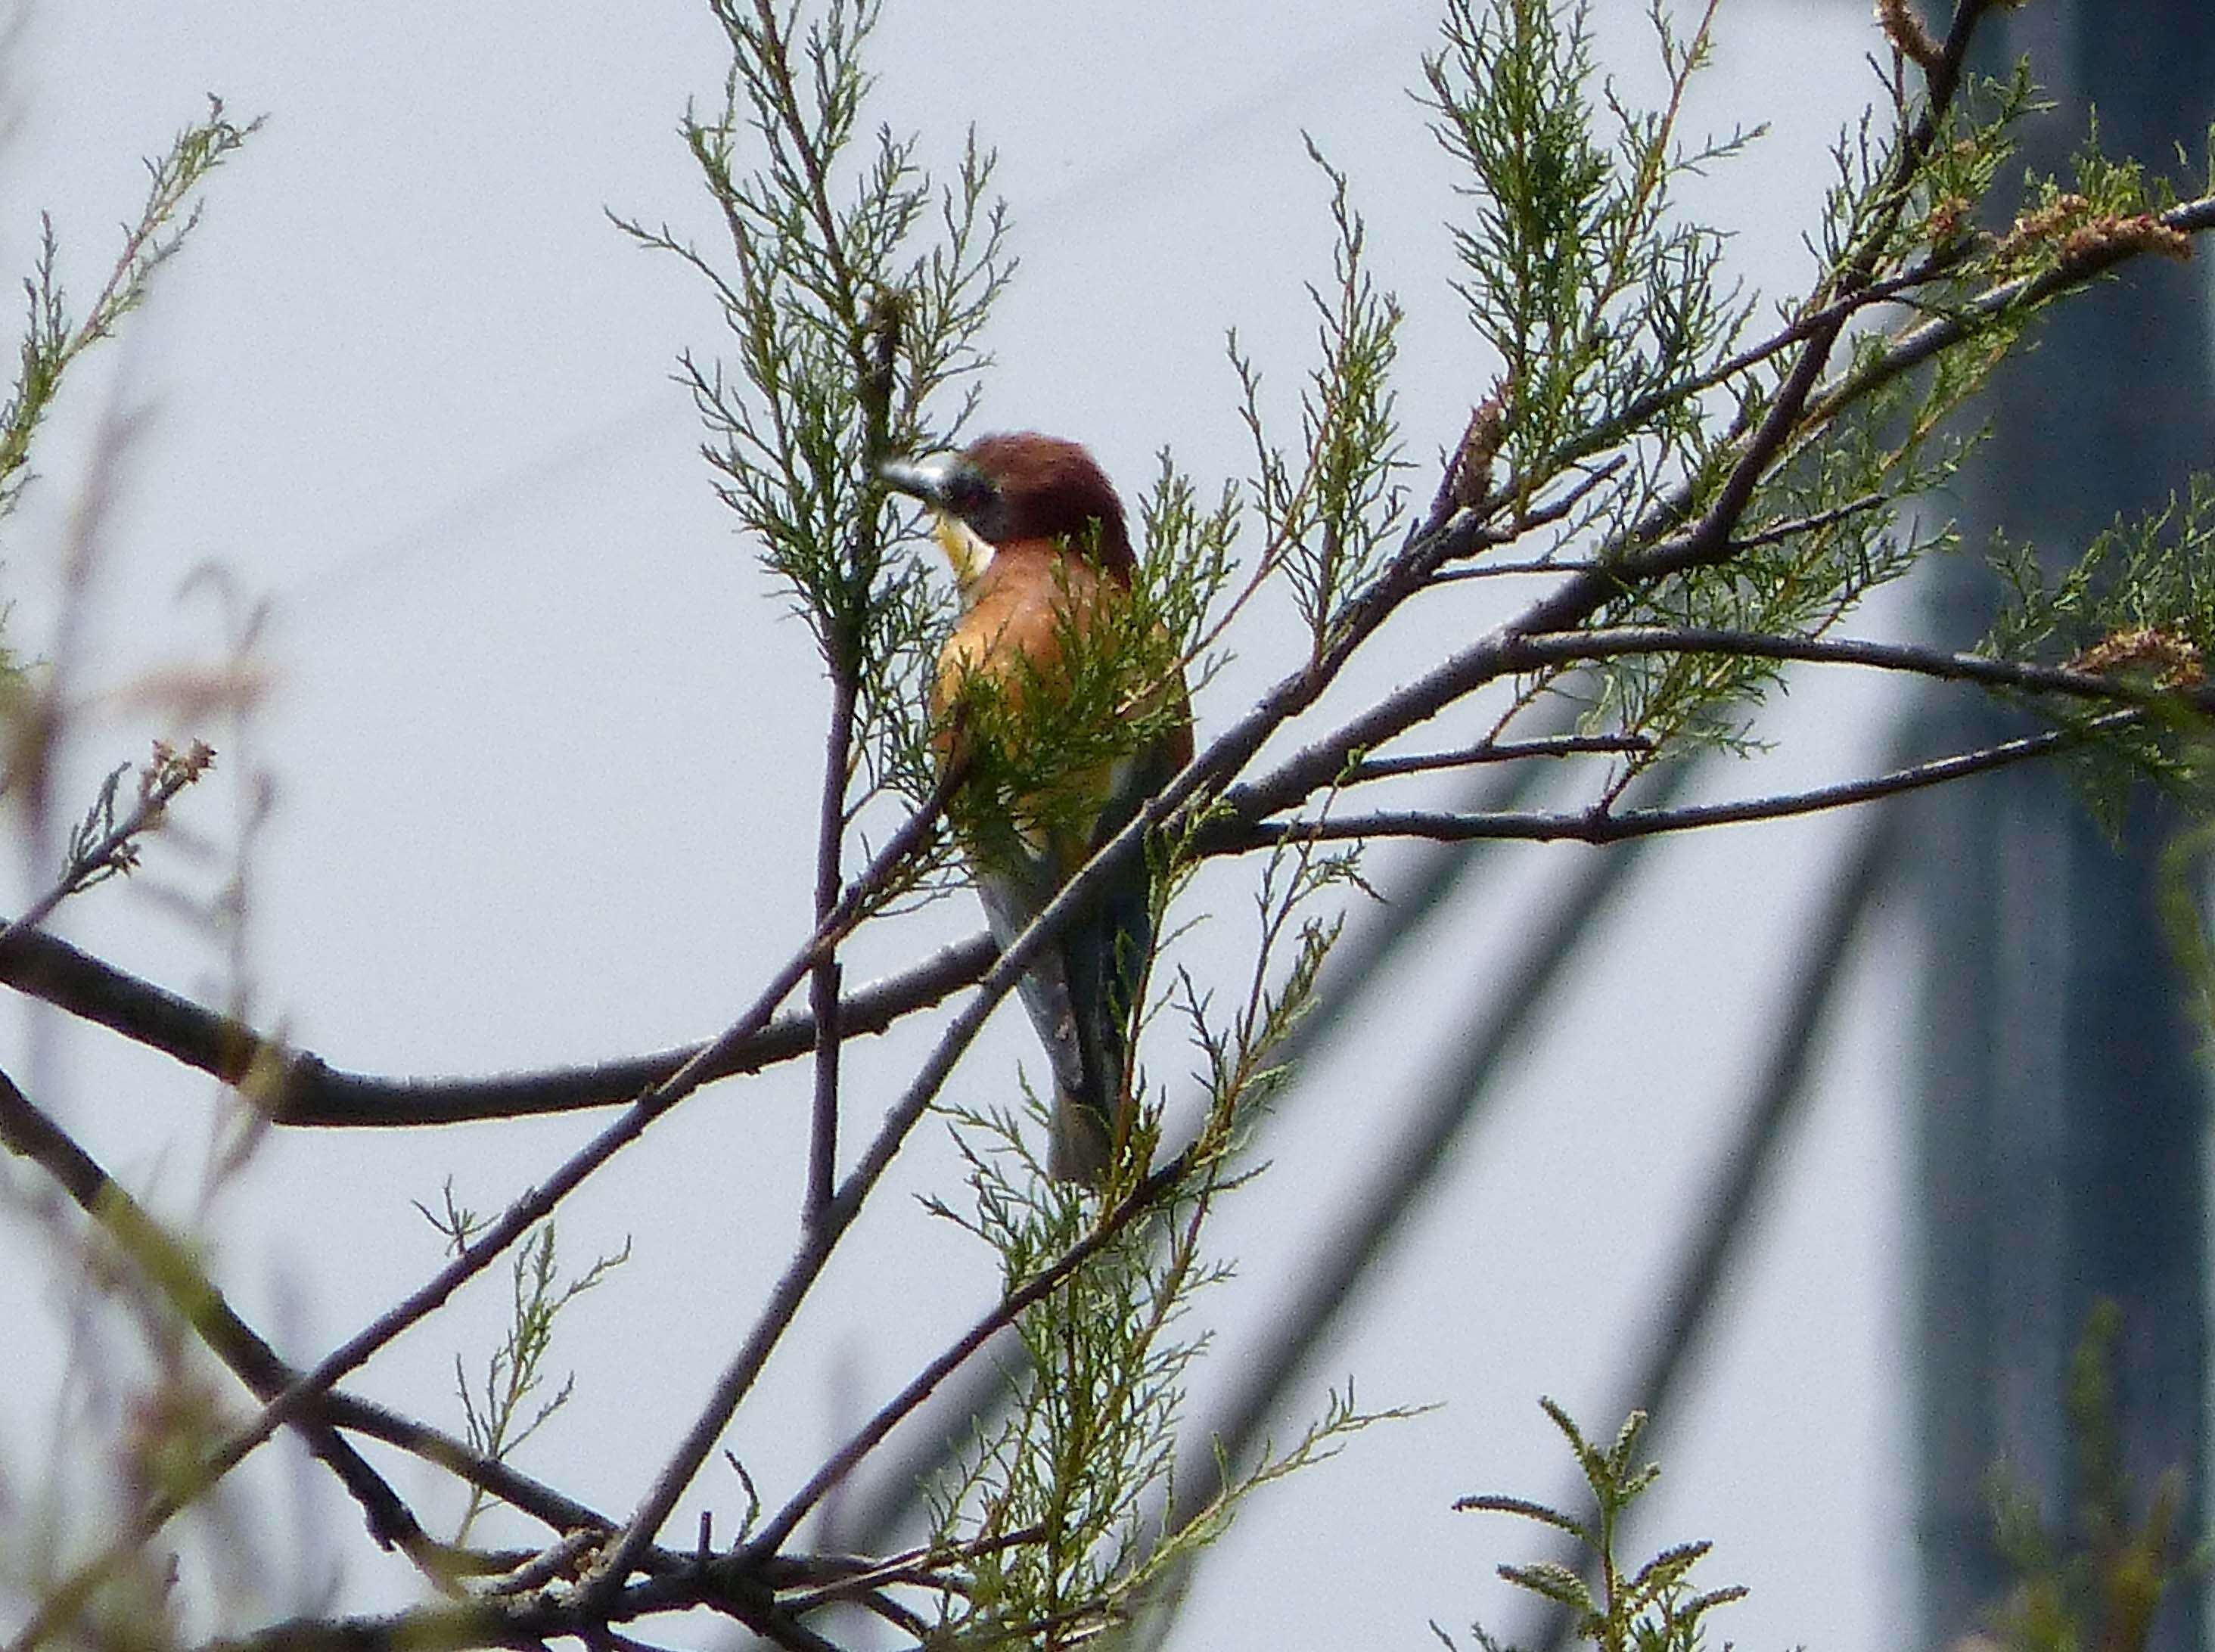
(1024,486)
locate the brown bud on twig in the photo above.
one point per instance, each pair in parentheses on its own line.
(1468,480)
(2070,225)
(2059,216)
(1908,36)
(2170,661)
(1948,218)
(882,325)
(2141,232)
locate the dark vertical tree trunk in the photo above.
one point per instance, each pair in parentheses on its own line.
(2063,1092)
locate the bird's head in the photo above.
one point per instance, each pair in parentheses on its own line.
(1010,489)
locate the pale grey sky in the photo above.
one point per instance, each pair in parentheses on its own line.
(544,743)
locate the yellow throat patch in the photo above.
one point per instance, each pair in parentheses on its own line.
(967,551)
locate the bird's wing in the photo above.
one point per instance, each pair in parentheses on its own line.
(1014,888)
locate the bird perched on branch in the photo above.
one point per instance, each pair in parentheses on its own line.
(1070,707)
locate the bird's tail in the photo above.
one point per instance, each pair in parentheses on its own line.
(1079,991)
(1106,951)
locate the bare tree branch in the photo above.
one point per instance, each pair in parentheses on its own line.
(1498,751)
(1601,825)
(299,1088)
(1529,652)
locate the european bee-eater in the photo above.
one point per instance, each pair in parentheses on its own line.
(1042,562)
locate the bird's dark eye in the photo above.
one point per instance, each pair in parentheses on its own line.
(975,498)
(967,491)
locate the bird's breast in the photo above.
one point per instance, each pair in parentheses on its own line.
(1020,611)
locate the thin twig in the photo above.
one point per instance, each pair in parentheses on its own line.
(1495,570)
(924,1567)
(1527,653)
(824,982)
(556,1561)
(1799,330)
(1498,751)
(1607,827)
(113,851)
(1791,528)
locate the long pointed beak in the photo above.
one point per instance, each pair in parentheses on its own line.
(925,479)
(933,480)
